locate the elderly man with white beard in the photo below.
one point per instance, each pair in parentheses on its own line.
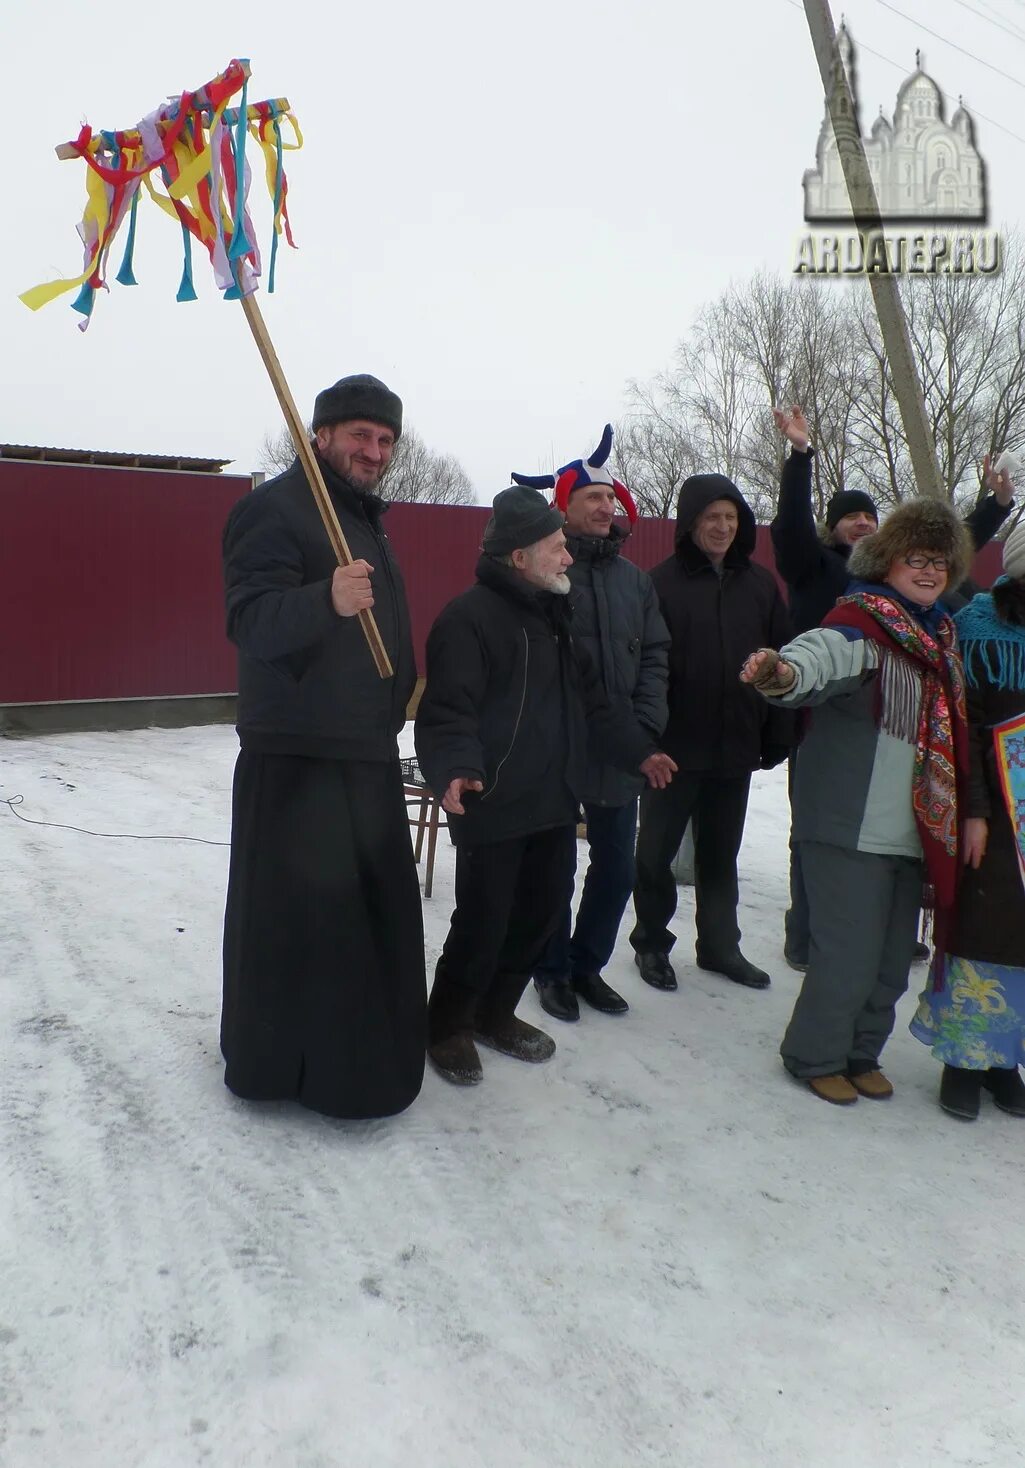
(502,734)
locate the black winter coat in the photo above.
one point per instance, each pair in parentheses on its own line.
(989,923)
(307,683)
(718,725)
(815,573)
(510,699)
(617,620)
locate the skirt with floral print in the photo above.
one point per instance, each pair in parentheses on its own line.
(977,1019)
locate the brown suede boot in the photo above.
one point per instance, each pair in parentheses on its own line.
(873,1084)
(499,1029)
(837,1090)
(451,1014)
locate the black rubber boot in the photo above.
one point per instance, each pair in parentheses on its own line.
(1007,1089)
(960,1091)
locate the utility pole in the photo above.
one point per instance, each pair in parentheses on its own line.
(865,217)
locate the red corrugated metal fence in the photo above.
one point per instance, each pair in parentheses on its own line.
(110,579)
(110,582)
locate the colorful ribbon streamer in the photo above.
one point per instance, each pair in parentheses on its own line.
(195,145)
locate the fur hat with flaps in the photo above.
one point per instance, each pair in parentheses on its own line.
(922,525)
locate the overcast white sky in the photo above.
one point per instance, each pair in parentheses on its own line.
(505,212)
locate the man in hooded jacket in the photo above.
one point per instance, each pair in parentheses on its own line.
(717,605)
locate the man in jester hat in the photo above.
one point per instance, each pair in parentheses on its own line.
(616,618)
(324,988)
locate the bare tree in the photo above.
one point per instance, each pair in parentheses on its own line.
(277,452)
(651,453)
(773,340)
(418,475)
(415,474)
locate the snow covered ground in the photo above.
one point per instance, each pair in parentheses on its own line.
(655,1250)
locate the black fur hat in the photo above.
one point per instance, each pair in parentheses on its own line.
(360,396)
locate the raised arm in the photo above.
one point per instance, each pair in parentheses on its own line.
(795,536)
(987,518)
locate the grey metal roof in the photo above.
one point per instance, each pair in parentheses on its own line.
(37,453)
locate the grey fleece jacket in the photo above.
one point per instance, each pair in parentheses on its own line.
(852,783)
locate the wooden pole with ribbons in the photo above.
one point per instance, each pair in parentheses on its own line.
(311,466)
(196,145)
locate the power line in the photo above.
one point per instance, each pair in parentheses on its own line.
(901,67)
(1015,33)
(952,44)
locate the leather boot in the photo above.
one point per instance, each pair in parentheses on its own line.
(656,970)
(558,999)
(593,989)
(734,966)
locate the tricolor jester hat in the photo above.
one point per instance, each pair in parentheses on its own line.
(581,472)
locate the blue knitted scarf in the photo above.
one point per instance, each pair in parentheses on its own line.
(990,648)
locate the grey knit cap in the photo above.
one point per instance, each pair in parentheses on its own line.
(520,517)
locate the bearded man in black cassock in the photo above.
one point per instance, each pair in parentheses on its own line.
(324,989)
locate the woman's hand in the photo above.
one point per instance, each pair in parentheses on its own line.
(767,671)
(976,834)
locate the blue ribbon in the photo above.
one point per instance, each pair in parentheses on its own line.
(126,275)
(239,242)
(186,290)
(84,301)
(278,176)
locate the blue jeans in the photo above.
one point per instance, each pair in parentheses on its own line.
(611,836)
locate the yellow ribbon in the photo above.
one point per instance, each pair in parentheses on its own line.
(96,216)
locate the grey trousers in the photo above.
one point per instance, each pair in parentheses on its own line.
(863,913)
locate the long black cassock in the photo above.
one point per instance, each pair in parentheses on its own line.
(324,987)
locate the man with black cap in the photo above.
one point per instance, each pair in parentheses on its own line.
(716,603)
(324,988)
(812,561)
(502,729)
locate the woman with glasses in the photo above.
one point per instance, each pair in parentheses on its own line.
(972,1013)
(876,789)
